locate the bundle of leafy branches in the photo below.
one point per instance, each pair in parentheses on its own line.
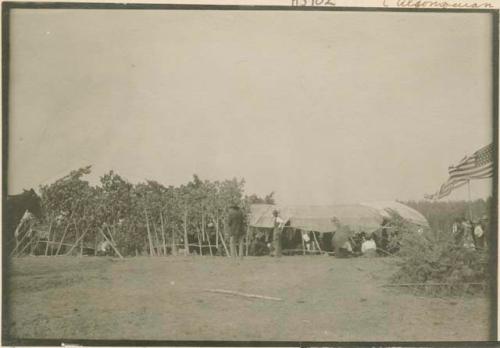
(432,262)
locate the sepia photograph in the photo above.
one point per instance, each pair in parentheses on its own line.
(271,174)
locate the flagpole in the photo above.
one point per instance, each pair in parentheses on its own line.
(470,205)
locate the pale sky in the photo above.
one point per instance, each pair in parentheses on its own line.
(320,107)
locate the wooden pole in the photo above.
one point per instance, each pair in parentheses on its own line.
(62,239)
(26,246)
(186,246)
(470,202)
(199,242)
(81,242)
(18,228)
(202,226)
(431,284)
(247,237)
(115,249)
(154,238)
(151,249)
(205,232)
(230,292)
(33,249)
(216,221)
(96,244)
(48,239)
(319,248)
(174,242)
(77,237)
(209,243)
(158,248)
(163,234)
(303,243)
(111,235)
(66,244)
(18,244)
(77,241)
(224,244)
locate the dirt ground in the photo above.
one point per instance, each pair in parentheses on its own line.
(323,299)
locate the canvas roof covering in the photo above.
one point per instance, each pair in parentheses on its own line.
(410,214)
(261,215)
(318,218)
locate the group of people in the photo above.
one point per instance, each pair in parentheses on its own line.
(359,244)
(471,234)
(344,242)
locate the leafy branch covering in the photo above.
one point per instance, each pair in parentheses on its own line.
(147,217)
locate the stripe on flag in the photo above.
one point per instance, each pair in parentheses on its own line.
(446,189)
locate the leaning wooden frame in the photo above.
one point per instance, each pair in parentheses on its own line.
(64,238)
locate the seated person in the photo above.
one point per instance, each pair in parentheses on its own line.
(345,250)
(104,248)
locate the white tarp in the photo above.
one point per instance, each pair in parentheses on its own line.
(385,207)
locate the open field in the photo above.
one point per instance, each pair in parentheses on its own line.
(323,299)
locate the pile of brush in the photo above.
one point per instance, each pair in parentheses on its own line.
(434,263)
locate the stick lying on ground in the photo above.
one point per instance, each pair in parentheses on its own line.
(229,292)
(431,284)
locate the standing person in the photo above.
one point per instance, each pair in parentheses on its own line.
(341,239)
(383,238)
(307,240)
(278,223)
(479,235)
(468,236)
(235,225)
(458,231)
(485,224)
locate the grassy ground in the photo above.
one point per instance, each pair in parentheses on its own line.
(324,299)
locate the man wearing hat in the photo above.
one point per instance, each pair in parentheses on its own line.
(278,223)
(235,227)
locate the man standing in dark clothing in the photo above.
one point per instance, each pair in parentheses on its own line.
(485,225)
(235,227)
(458,231)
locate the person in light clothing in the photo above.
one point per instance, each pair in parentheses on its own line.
(307,240)
(368,247)
(479,235)
(104,248)
(468,239)
(347,246)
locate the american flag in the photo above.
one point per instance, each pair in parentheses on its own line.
(446,189)
(477,166)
